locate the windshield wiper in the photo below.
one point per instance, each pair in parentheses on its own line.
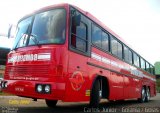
(25,35)
(34,38)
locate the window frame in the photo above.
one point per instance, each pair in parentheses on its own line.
(141,63)
(148,69)
(102,31)
(137,65)
(130,61)
(81,38)
(107,42)
(117,42)
(85,20)
(92,27)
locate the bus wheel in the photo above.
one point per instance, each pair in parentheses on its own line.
(143,95)
(96,94)
(51,103)
(147,94)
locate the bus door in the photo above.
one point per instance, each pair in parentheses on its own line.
(79,53)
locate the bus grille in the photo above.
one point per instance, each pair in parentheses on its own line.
(28,70)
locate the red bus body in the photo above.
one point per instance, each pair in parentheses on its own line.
(71,74)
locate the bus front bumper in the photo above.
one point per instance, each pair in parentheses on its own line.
(32,89)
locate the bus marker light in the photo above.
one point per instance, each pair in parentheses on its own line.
(88,92)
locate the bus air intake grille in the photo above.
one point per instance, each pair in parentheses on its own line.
(28,70)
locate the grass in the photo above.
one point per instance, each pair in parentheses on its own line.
(158,85)
(5,94)
(158,89)
(158,82)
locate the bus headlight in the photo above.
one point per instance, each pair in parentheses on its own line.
(43,88)
(47,88)
(39,88)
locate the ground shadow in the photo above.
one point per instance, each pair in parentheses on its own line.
(82,107)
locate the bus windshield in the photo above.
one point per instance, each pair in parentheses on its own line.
(43,28)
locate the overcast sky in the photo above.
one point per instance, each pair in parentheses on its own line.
(136,21)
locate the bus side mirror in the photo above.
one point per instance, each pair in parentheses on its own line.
(11,31)
(76,20)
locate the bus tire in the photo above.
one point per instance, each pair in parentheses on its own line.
(143,95)
(147,94)
(95,94)
(51,103)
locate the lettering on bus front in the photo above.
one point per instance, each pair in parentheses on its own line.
(29,57)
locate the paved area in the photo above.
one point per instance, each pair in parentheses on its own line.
(14,104)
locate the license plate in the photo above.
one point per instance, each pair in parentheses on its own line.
(19,89)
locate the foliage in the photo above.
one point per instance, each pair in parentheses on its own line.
(158,85)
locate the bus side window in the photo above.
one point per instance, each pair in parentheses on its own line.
(136,60)
(147,67)
(79,37)
(96,36)
(127,55)
(143,66)
(119,50)
(116,48)
(105,41)
(130,57)
(73,37)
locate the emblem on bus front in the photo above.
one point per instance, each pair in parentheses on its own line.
(77,80)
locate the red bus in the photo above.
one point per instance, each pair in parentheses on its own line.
(64,53)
